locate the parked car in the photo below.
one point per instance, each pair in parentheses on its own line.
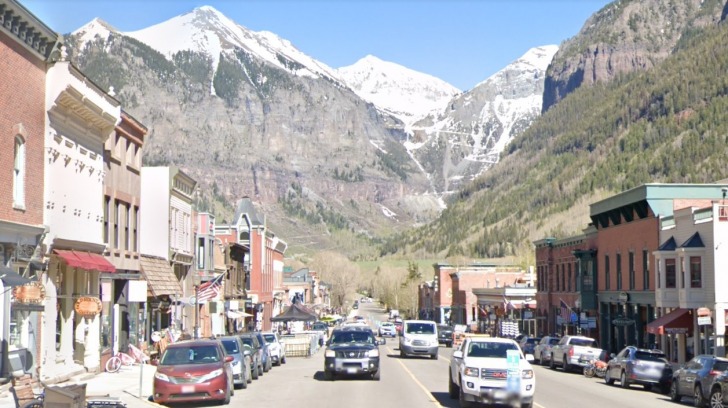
(479,371)
(574,351)
(276,348)
(387,329)
(639,366)
(697,377)
(256,350)
(528,344)
(267,360)
(352,351)
(242,375)
(444,334)
(419,337)
(719,391)
(194,370)
(542,351)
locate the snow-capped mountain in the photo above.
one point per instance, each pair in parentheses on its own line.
(478,125)
(404,93)
(206,30)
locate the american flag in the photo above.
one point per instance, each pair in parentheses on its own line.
(210,289)
(565,310)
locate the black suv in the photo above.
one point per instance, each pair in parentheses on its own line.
(444,334)
(352,351)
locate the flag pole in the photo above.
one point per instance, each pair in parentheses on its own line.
(197,312)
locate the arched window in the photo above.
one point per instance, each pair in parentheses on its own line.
(19,173)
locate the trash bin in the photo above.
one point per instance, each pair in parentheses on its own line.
(70,396)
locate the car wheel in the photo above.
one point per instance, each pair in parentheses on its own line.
(376,376)
(260,370)
(716,398)
(608,378)
(463,402)
(283,359)
(228,395)
(401,353)
(527,405)
(552,365)
(434,356)
(244,385)
(674,393)
(267,366)
(453,390)
(623,382)
(648,387)
(328,375)
(254,373)
(565,365)
(698,399)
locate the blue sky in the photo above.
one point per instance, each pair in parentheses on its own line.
(460,41)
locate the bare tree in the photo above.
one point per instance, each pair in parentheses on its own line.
(339,272)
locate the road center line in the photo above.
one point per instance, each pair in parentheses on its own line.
(427,392)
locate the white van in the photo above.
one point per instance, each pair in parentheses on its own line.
(418,337)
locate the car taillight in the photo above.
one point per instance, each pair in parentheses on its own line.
(714,373)
(571,352)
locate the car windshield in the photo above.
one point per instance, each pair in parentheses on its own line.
(231,346)
(320,326)
(490,349)
(533,340)
(553,341)
(649,356)
(720,366)
(352,337)
(444,328)
(270,338)
(584,342)
(190,355)
(420,328)
(248,341)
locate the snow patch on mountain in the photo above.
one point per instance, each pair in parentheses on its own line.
(404,93)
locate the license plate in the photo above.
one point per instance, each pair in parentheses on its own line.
(188,389)
(351,370)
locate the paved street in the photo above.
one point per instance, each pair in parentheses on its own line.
(405,383)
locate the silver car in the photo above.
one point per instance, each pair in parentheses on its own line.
(276,348)
(542,350)
(241,362)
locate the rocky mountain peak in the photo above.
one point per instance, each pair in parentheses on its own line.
(402,92)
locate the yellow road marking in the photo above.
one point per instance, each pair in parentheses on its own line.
(427,392)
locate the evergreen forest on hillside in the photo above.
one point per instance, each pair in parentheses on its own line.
(665,125)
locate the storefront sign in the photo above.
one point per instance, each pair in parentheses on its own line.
(704,321)
(676,330)
(33,293)
(622,322)
(704,311)
(137,291)
(88,306)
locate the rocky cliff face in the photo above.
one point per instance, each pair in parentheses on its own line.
(625,36)
(467,137)
(254,118)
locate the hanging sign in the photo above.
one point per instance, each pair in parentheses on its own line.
(87,306)
(33,292)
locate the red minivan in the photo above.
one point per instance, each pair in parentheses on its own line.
(194,370)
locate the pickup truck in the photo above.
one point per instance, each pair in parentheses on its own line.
(480,373)
(574,351)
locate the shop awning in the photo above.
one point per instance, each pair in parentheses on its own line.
(233,314)
(677,321)
(161,280)
(11,278)
(85,260)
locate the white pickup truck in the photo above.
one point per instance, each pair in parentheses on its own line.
(480,372)
(574,351)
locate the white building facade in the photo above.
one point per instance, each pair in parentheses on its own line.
(80,118)
(691,290)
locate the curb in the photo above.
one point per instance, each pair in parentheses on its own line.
(145,400)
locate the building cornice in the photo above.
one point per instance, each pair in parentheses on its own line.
(30,32)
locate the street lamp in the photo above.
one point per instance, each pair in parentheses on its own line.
(577,306)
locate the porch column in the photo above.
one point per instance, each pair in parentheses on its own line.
(65,354)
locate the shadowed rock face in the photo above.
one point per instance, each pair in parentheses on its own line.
(623,37)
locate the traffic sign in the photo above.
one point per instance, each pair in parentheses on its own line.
(704,321)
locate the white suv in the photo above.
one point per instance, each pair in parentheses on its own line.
(276,348)
(491,371)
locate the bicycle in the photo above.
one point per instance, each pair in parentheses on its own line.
(135,356)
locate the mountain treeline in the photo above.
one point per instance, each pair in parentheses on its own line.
(668,124)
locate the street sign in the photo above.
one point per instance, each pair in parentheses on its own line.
(513,376)
(704,321)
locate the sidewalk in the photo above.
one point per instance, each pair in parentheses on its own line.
(123,385)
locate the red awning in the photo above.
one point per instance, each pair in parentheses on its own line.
(677,321)
(85,260)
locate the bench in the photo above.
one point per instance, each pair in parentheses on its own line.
(24,392)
